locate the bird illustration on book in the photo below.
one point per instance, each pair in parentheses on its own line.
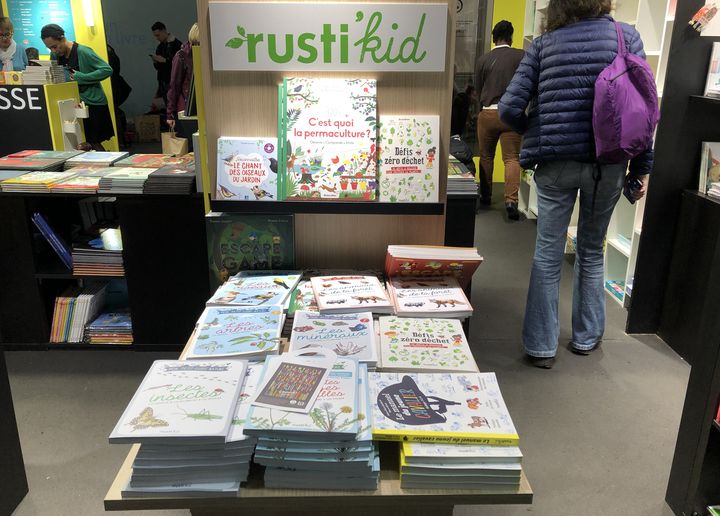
(229,297)
(259,297)
(358,327)
(259,193)
(224,192)
(203,415)
(146,419)
(467,385)
(212,324)
(211,347)
(280,282)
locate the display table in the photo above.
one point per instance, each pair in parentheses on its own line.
(389,499)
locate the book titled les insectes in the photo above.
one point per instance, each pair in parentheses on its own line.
(180,401)
(443,408)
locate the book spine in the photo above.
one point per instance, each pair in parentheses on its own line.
(281,144)
(440,438)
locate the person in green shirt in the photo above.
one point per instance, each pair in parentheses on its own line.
(85,67)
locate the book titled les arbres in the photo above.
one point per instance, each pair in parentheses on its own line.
(442,408)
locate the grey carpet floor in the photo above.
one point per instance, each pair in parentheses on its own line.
(597,432)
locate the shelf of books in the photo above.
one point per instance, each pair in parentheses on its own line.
(388,407)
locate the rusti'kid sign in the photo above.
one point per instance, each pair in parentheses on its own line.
(328,37)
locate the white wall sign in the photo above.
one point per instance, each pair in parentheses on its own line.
(328,37)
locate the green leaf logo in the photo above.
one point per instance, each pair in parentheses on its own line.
(235,42)
(241,30)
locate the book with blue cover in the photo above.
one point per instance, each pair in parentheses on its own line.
(248,332)
(255,290)
(247,169)
(57,244)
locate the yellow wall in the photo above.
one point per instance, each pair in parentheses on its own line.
(93,37)
(514,12)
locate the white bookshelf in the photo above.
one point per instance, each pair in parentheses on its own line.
(654,20)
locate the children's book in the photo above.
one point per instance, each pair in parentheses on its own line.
(424,345)
(247,393)
(248,242)
(182,400)
(249,332)
(95,158)
(418,260)
(347,335)
(432,296)
(479,469)
(303,298)
(434,453)
(440,408)
(39,178)
(334,415)
(247,169)
(408,158)
(348,294)
(255,290)
(709,166)
(156,161)
(327,131)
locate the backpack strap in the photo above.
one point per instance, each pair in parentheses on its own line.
(622,51)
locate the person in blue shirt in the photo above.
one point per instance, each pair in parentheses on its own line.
(12,54)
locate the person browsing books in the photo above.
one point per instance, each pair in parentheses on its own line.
(494,71)
(550,101)
(12,53)
(182,71)
(85,67)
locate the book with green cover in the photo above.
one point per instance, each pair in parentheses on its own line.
(329,133)
(248,242)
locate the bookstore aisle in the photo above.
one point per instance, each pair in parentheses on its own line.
(598,432)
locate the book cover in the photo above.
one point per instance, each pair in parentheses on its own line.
(56,243)
(430,297)
(424,345)
(248,242)
(39,178)
(347,335)
(406,260)
(156,161)
(303,298)
(712,83)
(334,414)
(247,393)
(247,169)
(293,383)
(434,453)
(709,166)
(96,157)
(224,331)
(408,158)
(347,294)
(440,408)
(329,139)
(255,290)
(182,400)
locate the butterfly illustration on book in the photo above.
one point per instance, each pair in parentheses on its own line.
(146,419)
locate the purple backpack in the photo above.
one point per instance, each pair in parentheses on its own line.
(625,109)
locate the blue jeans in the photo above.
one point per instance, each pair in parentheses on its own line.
(558,183)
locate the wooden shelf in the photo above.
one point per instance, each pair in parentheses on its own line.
(337,207)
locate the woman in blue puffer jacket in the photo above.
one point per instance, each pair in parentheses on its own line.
(550,102)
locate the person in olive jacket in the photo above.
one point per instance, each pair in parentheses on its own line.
(85,67)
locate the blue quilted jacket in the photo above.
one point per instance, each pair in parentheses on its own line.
(550,99)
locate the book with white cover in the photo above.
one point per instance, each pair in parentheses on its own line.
(334,414)
(424,345)
(347,335)
(435,453)
(429,297)
(182,401)
(440,408)
(248,332)
(348,294)
(250,385)
(247,169)
(263,290)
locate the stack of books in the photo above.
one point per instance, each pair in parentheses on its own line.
(35,182)
(74,309)
(244,331)
(344,294)
(184,414)
(125,180)
(9,174)
(157,161)
(37,160)
(714,190)
(99,256)
(95,159)
(329,444)
(110,328)
(256,288)
(460,179)
(43,72)
(346,335)
(86,181)
(459,466)
(471,439)
(433,296)
(171,180)
(424,345)
(425,261)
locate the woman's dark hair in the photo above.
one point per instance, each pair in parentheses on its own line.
(565,12)
(503,31)
(52,31)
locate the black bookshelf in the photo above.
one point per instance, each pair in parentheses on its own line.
(716,425)
(329,207)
